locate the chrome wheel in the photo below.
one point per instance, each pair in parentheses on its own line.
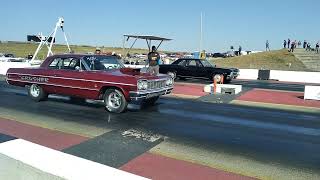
(114,100)
(35,90)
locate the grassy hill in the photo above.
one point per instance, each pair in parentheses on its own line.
(275,60)
(22,49)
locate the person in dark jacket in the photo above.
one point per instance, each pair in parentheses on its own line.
(154,61)
(267,46)
(289,43)
(304,44)
(293,45)
(284,44)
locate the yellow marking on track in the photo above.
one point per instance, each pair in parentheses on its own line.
(278,90)
(231,162)
(184,96)
(53,123)
(277,106)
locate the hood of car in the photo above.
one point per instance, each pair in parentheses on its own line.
(134,73)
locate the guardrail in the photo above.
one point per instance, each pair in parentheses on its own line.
(289,76)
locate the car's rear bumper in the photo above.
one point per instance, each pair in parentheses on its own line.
(141,95)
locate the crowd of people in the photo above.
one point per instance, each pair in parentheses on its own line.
(292,45)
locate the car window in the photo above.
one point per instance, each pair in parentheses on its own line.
(182,63)
(192,63)
(65,63)
(206,63)
(102,63)
(56,64)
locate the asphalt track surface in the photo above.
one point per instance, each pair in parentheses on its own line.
(282,137)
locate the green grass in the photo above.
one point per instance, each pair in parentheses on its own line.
(23,49)
(273,60)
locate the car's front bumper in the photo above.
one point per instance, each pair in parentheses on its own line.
(142,95)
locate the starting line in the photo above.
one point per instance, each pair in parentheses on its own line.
(54,164)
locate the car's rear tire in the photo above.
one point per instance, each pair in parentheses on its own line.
(37,93)
(115,101)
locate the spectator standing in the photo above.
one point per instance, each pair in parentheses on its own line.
(308,47)
(267,46)
(289,41)
(304,44)
(284,44)
(154,61)
(293,45)
(240,49)
(299,44)
(317,47)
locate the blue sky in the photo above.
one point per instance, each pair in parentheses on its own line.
(248,23)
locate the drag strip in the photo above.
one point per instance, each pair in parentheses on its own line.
(4,138)
(285,137)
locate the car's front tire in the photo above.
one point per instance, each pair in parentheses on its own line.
(115,101)
(37,93)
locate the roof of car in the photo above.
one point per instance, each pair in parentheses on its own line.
(79,55)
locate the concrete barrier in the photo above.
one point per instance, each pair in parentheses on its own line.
(312,92)
(289,76)
(295,76)
(4,66)
(248,74)
(20,159)
(209,88)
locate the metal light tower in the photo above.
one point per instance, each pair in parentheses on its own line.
(45,40)
(201,31)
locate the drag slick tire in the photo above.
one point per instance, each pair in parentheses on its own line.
(37,93)
(151,101)
(115,101)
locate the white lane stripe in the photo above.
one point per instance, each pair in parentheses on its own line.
(76,79)
(50,84)
(61,164)
(244,122)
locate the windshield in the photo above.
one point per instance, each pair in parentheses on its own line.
(206,63)
(103,62)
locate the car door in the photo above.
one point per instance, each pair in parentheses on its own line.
(70,79)
(194,68)
(180,68)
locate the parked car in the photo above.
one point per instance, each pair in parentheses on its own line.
(229,54)
(98,77)
(196,68)
(8,57)
(219,55)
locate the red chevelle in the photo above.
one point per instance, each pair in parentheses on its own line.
(98,77)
